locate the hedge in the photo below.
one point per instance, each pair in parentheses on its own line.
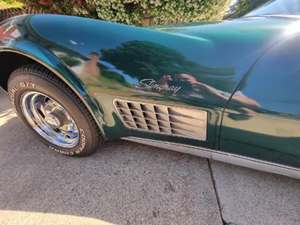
(140,12)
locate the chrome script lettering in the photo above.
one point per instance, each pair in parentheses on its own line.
(152,84)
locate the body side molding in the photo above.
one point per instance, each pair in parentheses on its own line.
(221,156)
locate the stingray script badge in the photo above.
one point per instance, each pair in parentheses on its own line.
(161,86)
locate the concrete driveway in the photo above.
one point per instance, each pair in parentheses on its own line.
(127,184)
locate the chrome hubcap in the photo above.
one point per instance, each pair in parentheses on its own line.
(50,119)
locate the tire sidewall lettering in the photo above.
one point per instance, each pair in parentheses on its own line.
(21,85)
(82,143)
(80,147)
(83,138)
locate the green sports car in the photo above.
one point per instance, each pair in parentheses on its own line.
(228,91)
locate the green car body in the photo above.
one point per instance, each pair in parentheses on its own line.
(243,73)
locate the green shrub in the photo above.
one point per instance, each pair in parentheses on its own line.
(140,12)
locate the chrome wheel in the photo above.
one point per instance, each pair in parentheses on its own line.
(50,119)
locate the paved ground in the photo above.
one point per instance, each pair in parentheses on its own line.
(250,197)
(126,183)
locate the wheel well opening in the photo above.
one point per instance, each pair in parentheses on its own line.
(10,61)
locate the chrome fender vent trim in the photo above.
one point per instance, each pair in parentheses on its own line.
(168,120)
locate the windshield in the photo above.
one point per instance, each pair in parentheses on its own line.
(278,7)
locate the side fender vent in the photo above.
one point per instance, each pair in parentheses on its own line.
(168,120)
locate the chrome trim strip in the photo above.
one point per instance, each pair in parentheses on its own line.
(222,156)
(98,122)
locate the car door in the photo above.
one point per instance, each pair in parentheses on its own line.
(262,120)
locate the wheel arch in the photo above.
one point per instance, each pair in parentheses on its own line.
(15,58)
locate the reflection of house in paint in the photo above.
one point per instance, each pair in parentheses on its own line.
(9,32)
(92,66)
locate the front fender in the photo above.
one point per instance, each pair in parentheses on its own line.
(45,58)
(188,69)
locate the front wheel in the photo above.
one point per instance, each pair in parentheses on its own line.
(53,112)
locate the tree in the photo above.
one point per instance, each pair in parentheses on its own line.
(143,59)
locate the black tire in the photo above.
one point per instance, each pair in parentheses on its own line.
(36,78)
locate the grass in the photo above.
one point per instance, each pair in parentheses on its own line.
(10,4)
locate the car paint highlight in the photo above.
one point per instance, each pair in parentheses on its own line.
(218,68)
